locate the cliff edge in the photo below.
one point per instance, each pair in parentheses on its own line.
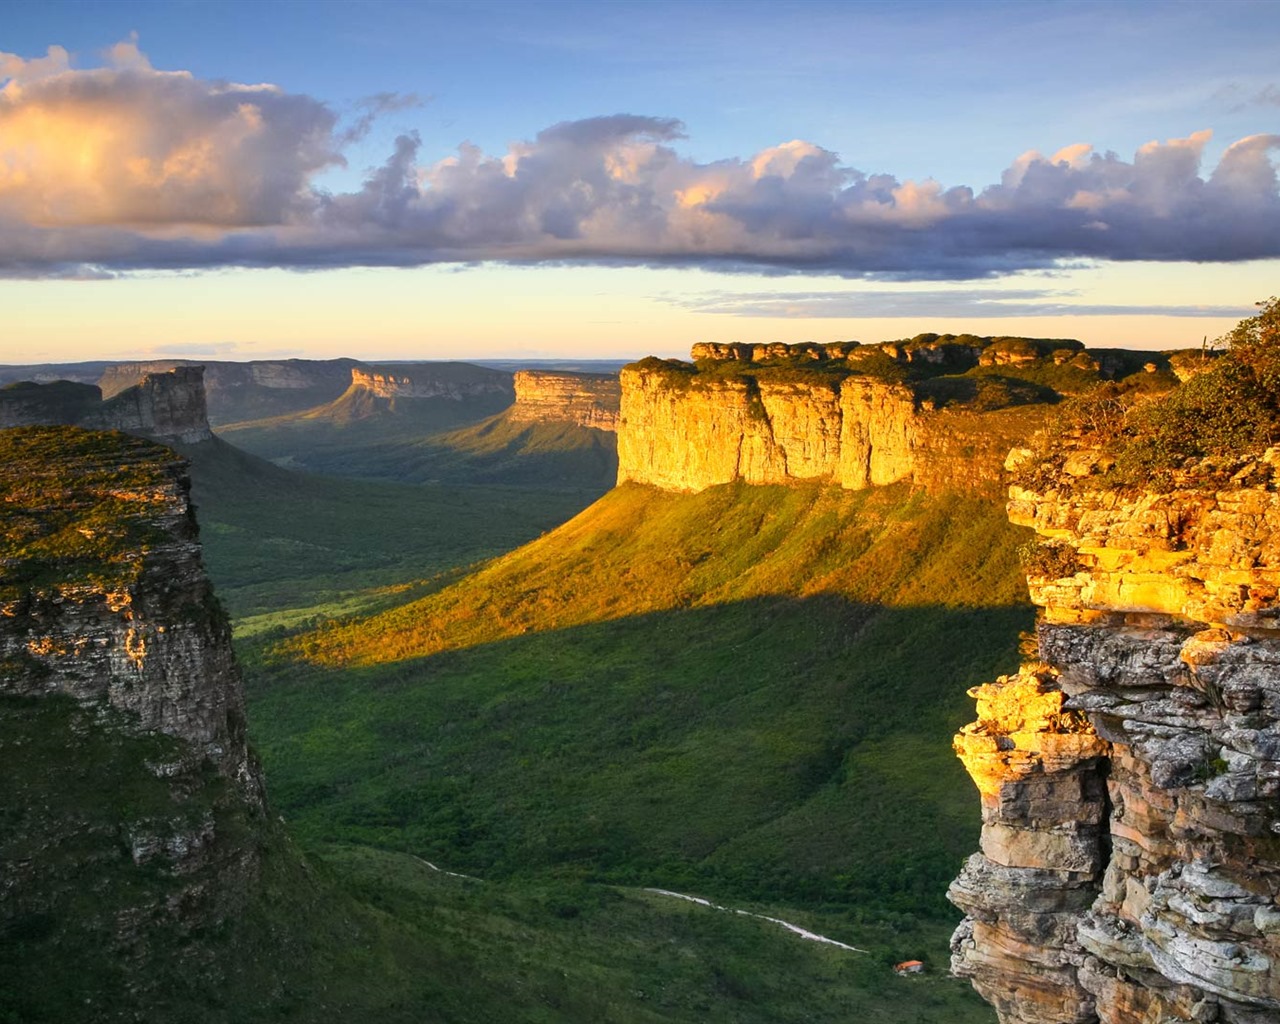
(1130,777)
(582,399)
(135,819)
(165,406)
(686,427)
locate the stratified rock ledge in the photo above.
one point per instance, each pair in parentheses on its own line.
(1130,779)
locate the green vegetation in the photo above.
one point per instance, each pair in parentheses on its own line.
(435,441)
(959,370)
(747,692)
(1049,560)
(1230,408)
(286,548)
(360,434)
(76,506)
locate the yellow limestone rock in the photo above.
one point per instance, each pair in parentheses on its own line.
(1130,782)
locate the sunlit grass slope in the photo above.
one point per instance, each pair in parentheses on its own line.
(285,547)
(434,441)
(748,692)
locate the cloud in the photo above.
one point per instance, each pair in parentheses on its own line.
(199,348)
(987,303)
(125,167)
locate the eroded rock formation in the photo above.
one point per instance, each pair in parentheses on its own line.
(684,431)
(1130,778)
(584,399)
(104,596)
(454,381)
(166,406)
(135,812)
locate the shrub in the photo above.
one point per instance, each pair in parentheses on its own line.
(1049,561)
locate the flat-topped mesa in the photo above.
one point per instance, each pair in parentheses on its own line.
(1130,779)
(454,381)
(686,428)
(556,396)
(167,406)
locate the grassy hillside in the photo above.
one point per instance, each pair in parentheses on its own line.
(285,547)
(90,936)
(364,436)
(358,433)
(749,692)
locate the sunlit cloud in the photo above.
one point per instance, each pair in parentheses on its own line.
(125,167)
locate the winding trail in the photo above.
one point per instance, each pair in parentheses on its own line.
(804,933)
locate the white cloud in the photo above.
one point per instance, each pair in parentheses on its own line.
(126,167)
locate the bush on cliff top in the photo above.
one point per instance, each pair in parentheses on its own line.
(1230,408)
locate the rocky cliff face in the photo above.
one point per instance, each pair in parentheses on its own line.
(166,406)
(454,381)
(104,597)
(240,391)
(135,814)
(1130,777)
(684,431)
(583,399)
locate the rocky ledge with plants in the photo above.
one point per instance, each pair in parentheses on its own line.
(1130,772)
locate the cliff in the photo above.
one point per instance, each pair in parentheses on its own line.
(166,406)
(684,430)
(134,811)
(242,391)
(583,399)
(453,381)
(1130,777)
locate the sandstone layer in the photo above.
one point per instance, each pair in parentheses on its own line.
(454,381)
(251,390)
(682,431)
(136,820)
(1130,778)
(583,399)
(166,406)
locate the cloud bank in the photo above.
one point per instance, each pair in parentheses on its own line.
(125,167)
(952,302)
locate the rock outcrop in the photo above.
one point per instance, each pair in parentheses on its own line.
(135,816)
(104,596)
(584,399)
(684,431)
(166,406)
(453,381)
(252,390)
(1130,778)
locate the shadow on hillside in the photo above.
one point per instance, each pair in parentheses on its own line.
(776,749)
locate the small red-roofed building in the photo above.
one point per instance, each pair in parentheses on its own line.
(909,967)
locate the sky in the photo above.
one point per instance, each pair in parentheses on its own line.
(392,180)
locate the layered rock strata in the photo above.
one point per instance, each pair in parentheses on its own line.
(583,399)
(104,596)
(166,406)
(682,432)
(1130,779)
(454,381)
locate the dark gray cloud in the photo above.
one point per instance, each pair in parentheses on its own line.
(185,173)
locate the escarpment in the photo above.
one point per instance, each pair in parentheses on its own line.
(1130,777)
(684,430)
(166,406)
(581,399)
(135,817)
(454,381)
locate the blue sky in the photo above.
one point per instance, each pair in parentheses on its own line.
(953,94)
